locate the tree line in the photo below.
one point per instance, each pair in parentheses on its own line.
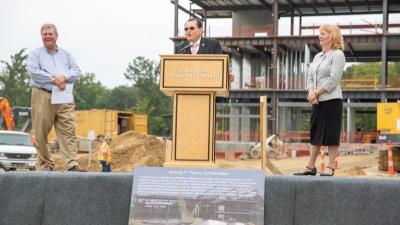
(142,95)
(373,70)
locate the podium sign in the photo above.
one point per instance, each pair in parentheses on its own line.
(194,81)
(194,73)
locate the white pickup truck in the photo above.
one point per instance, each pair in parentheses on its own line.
(17,150)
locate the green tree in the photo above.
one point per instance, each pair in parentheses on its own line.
(394,75)
(15,80)
(90,93)
(144,106)
(123,98)
(145,75)
(367,70)
(373,70)
(365,119)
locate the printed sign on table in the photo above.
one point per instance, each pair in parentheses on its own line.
(197,196)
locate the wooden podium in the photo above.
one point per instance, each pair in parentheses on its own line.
(194,81)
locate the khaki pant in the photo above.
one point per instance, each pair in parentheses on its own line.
(44,116)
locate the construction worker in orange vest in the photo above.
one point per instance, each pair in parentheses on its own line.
(104,154)
(5,109)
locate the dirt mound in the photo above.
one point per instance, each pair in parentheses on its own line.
(355,171)
(128,150)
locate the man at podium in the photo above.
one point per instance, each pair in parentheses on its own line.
(194,76)
(196,44)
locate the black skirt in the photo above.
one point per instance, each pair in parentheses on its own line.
(325,123)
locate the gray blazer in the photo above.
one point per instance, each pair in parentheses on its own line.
(326,72)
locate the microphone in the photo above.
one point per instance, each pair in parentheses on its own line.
(185,48)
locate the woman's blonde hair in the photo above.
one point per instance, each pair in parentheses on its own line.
(336,35)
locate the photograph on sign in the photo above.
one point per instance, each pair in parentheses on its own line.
(197,196)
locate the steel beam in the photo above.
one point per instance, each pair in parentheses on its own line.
(176,26)
(302,3)
(372,95)
(175,2)
(330,6)
(352,50)
(265,4)
(287,6)
(200,3)
(274,99)
(383,48)
(369,7)
(348,4)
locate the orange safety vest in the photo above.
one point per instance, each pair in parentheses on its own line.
(5,108)
(104,148)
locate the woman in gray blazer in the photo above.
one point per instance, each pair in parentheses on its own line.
(325,95)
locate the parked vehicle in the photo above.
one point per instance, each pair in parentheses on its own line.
(17,150)
(3,167)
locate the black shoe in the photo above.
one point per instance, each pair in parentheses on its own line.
(308,172)
(330,174)
(76,168)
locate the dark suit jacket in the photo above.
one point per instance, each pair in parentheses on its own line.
(207,46)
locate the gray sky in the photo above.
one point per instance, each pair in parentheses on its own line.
(104,35)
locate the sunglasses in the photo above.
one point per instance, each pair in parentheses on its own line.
(189,28)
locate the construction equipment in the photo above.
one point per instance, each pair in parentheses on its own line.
(22,114)
(272,144)
(5,108)
(13,114)
(388,126)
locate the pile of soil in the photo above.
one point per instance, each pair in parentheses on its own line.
(355,171)
(128,150)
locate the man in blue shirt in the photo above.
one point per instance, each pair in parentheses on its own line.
(53,72)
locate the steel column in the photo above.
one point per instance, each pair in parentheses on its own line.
(383,48)
(274,68)
(292,23)
(205,24)
(176,22)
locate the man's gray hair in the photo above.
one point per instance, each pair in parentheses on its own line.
(49,25)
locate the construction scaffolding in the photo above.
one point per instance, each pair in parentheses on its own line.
(265,63)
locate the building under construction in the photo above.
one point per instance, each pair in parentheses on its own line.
(267,64)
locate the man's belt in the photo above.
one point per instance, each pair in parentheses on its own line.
(43,89)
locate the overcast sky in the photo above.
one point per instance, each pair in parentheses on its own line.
(104,35)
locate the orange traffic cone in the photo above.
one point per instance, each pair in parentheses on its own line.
(390,160)
(322,166)
(336,161)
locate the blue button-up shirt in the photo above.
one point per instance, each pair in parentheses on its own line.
(43,66)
